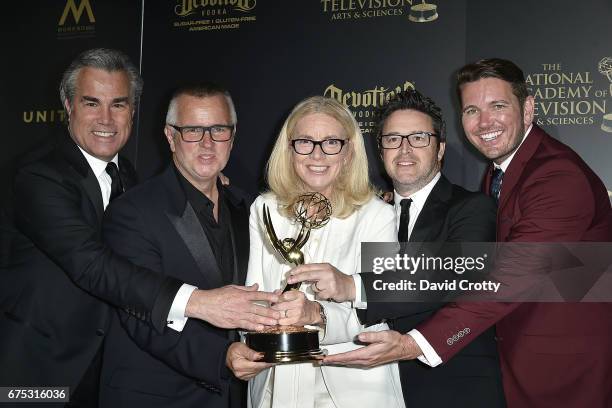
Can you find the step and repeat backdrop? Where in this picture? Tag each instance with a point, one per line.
(273, 53)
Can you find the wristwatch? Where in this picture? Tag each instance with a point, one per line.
(322, 315)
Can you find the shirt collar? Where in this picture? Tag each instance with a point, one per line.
(504, 165)
(98, 166)
(198, 200)
(419, 197)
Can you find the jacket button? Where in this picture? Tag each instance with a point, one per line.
(100, 332)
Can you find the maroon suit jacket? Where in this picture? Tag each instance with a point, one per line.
(551, 354)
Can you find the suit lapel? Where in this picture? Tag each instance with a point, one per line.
(239, 234)
(186, 223)
(188, 227)
(485, 186)
(127, 174)
(88, 180)
(92, 187)
(432, 216)
(517, 164)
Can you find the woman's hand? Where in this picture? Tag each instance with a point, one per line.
(326, 281)
(296, 310)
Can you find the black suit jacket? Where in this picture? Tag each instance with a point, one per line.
(53, 260)
(154, 225)
(472, 379)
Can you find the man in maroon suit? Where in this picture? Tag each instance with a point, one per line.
(552, 354)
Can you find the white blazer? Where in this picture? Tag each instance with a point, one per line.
(338, 243)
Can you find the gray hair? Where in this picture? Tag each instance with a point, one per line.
(105, 59)
(200, 90)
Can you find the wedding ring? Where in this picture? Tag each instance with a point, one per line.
(316, 288)
(285, 313)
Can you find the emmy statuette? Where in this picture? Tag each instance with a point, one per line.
(287, 344)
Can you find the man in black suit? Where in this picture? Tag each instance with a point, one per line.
(411, 135)
(186, 224)
(55, 268)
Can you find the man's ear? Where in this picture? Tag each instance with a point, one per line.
(441, 150)
(169, 132)
(233, 138)
(67, 108)
(528, 111)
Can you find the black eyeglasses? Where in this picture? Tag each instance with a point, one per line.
(416, 139)
(194, 134)
(328, 146)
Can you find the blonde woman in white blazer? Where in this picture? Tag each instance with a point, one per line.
(320, 149)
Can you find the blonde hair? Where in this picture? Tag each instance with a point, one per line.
(351, 189)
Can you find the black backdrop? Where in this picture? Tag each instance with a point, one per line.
(273, 53)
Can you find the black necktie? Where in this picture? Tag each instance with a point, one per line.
(116, 184)
(402, 234)
(496, 182)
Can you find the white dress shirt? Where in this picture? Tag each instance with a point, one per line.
(418, 198)
(99, 170)
(418, 201)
